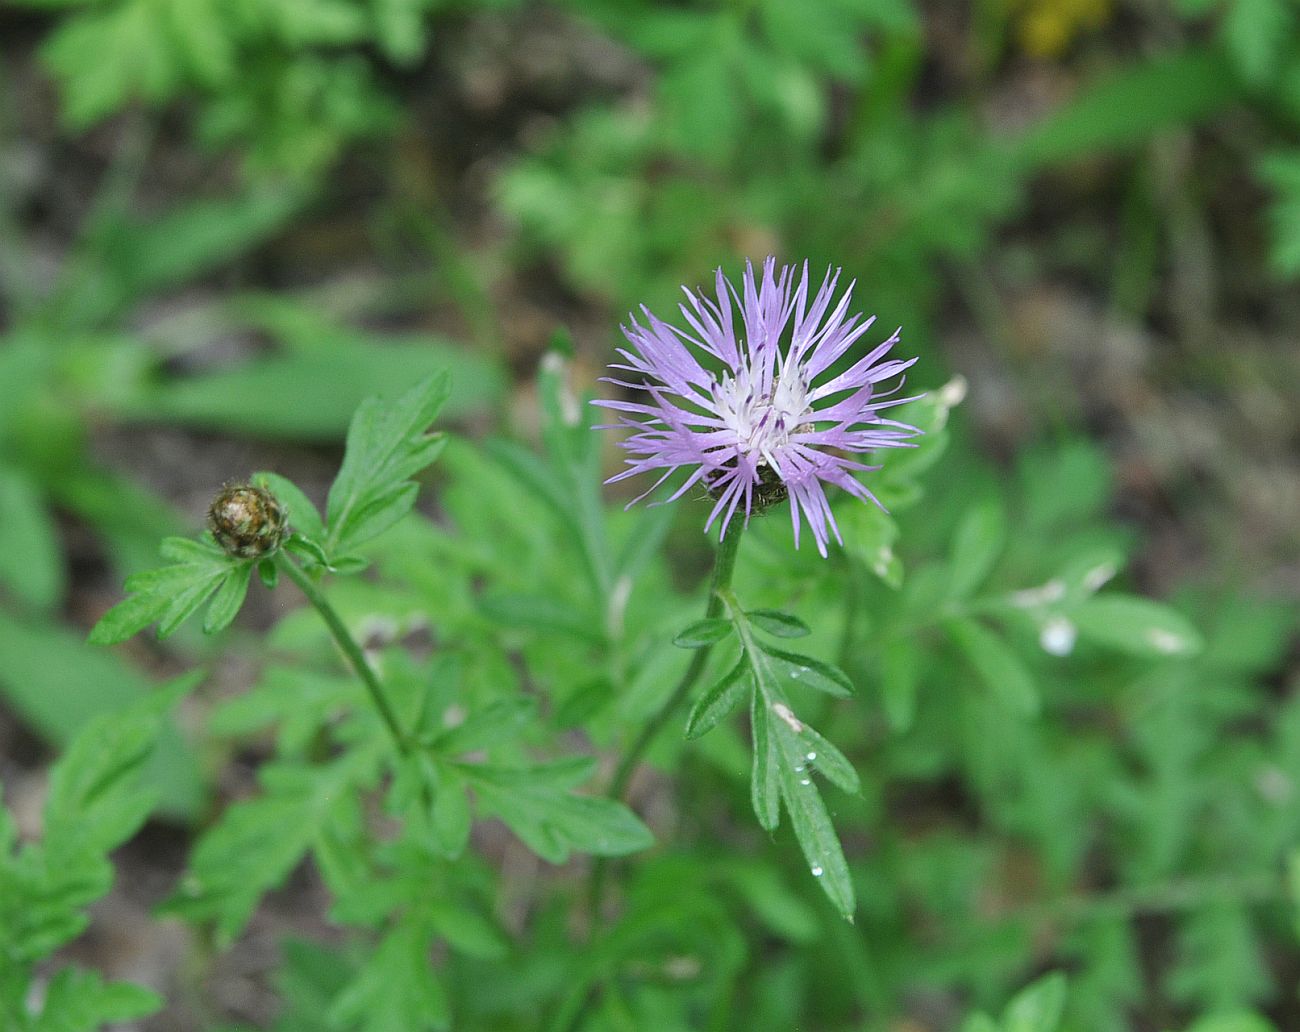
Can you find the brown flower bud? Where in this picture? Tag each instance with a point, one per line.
(248, 522)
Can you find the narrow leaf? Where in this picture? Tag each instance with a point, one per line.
(792, 668)
(764, 787)
(719, 701)
(778, 624)
(703, 633)
(229, 597)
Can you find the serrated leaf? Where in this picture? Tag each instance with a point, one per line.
(719, 701)
(167, 594)
(387, 445)
(997, 666)
(703, 633)
(1136, 625)
(554, 823)
(778, 624)
(257, 842)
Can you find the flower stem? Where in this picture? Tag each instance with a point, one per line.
(350, 648)
(724, 565)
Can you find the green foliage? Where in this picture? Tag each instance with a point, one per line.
(95, 803)
(1033, 766)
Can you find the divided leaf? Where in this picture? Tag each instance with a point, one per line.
(169, 595)
(386, 446)
(537, 804)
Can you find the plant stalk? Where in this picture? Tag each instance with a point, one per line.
(724, 566)
(356, 657)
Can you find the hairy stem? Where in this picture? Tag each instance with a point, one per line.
(349, 646)
(724, 565)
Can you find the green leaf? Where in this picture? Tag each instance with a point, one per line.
(1257, 34)
(1126, 108)
(719, 701)
(975, 547)
(310, 394)
(1039, 1008)
(539, 612)
(500, 721)
(31, 562)
(899, 673)
(1236, 1021)
(302, 516)
(386, 446)
(397, 987)
(80, 1001)
(467, 931)
(1136, 625)
(450, 817)
(553, 822)
(95, 803)
(811, 823)
(257, 842)
(811, 673)
(778, 624)
(228, 599)
(703, 633)
(997, 666)
(171, 594)
(57, 683)
(764, 785)
(820, 755)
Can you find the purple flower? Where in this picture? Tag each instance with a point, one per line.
(757, 419)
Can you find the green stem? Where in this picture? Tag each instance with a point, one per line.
(350, 648)
(724, 565)
(723, 568)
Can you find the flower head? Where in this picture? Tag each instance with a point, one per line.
(758, 420)
(248, 522)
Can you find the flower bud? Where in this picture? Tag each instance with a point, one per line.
(248, 522)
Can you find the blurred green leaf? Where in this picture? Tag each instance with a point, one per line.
(997, 666)
(1136, 625)
(1125, 108)
(31, 563)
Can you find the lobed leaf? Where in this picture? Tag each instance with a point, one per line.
(387, 444)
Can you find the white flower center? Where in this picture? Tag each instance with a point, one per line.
(762, 421)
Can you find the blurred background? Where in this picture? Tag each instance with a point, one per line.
(224, 222)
